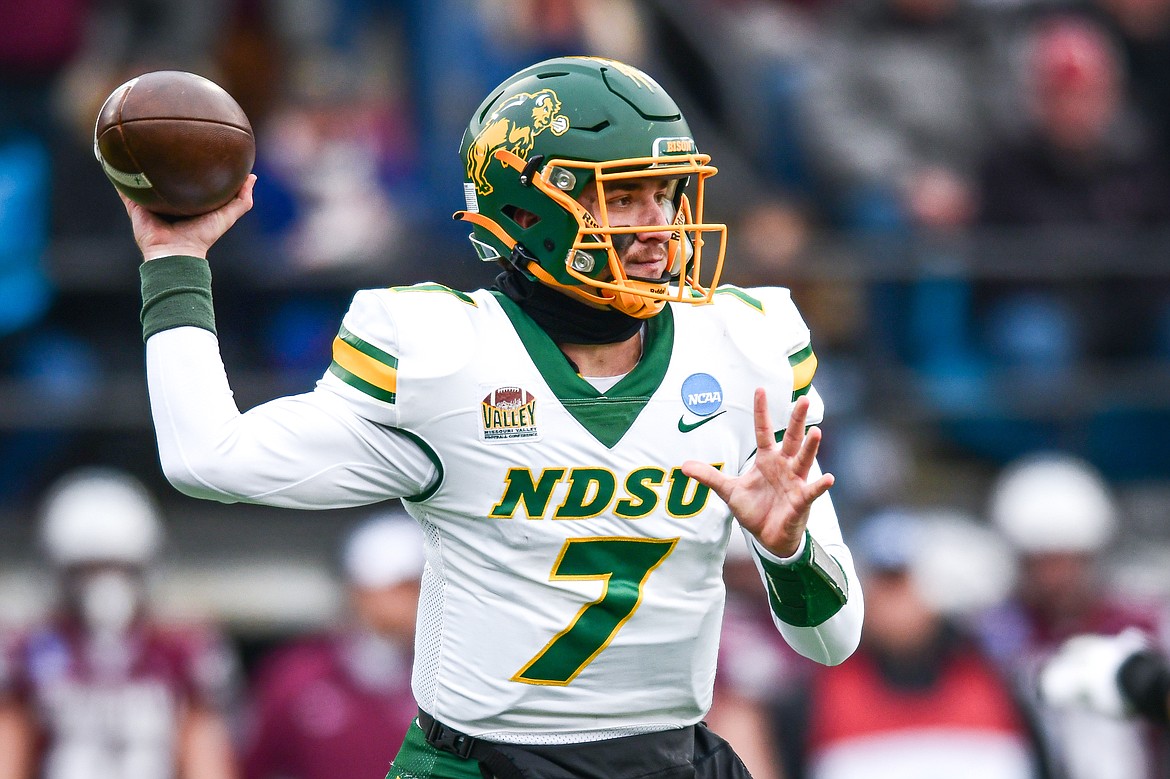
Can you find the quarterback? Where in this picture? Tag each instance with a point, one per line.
(575, 442)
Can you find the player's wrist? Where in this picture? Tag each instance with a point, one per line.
(786, 553)
(173, 250)
(176, 292)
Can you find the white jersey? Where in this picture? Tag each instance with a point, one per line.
(573, 588)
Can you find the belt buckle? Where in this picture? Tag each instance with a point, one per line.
(444, 738)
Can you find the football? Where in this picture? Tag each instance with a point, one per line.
(174, 142)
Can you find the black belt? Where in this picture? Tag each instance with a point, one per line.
(633, 756)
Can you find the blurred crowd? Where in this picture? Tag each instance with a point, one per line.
(969, 198)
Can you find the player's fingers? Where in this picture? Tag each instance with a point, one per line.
(136, 212)
(765, 434)
(247, 188)
(241, 203)
(794, 435)
(807, 453)
(814, 490)
(709, 476)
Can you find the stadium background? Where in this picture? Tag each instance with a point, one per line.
(358, 107)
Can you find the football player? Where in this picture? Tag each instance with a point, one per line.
(1059, 515)
(103, 689)
(574, 442)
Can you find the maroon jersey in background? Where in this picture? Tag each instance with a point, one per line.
(329, 707)
(111, 708)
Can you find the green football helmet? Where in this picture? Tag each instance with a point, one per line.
(565, 124)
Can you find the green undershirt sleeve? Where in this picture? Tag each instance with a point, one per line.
(808, 591)
(176, 292)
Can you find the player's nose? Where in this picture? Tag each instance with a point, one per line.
(656, 217)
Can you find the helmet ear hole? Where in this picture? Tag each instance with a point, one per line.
(523, 218)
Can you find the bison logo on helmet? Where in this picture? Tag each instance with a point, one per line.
(514, 126)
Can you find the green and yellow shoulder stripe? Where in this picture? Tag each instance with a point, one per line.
(364, 366)
(804, 366)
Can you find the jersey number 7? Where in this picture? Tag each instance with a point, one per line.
(623, 565)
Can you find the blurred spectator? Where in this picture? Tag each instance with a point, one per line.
(1084, 166)
(919, 699)
(58, 61)
(34, 51)
(337, 149)
(1143, 29)
(905, 96)
(104, 690)
(338, 705)
(902, 100)
(1088, 160)
(1058, 514)
(334, 149)
(1087, 156)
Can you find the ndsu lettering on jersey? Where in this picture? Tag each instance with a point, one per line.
(591, 492)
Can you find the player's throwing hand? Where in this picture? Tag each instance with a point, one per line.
(772, 499)
(157, 237)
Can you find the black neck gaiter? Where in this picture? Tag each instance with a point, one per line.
(566, 320)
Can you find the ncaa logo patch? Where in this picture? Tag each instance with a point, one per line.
(508, 414)
(701, 394)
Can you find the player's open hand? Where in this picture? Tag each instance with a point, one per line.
(772, 499)
(157, 237)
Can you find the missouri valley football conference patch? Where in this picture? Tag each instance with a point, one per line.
(509, 414)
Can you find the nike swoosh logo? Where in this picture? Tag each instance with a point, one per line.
(683, 427)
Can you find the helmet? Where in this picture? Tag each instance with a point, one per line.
(383, 551)
(1053, 503)
(565, 124)
(100, 515)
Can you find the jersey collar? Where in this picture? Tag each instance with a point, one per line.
(607, 416)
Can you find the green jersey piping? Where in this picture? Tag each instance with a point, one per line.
(607, 416)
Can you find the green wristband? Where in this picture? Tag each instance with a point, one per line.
(808, 591)
(176, 292)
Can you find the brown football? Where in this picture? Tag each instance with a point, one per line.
(175, 142)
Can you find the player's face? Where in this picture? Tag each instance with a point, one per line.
(643, 201)
(388, 611)
(105, 597)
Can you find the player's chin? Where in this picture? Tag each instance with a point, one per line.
(646, 271)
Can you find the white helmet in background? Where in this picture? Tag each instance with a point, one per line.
(100, 515)
(384, 551)
(1053, 503)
